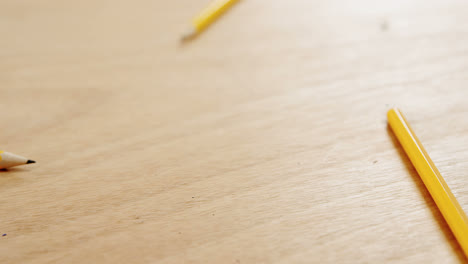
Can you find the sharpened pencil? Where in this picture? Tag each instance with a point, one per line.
(435, 183)
(207, 16)
(8, 160)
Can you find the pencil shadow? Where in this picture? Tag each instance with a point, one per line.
(10, 171)
(428, 199)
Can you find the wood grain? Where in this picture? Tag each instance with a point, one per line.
(262, 141)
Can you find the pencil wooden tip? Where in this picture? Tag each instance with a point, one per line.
(30, 161)
(188, 35)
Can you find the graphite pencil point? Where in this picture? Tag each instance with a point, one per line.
(8, 160)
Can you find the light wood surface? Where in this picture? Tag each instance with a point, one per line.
(264, 140)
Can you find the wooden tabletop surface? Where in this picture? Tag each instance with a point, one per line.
(264, 140)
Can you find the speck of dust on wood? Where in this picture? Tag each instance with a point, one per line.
(384, 26)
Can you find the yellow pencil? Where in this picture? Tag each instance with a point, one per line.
(8, 160)
(207, 16)
(440, 192)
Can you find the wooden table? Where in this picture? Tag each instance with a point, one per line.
(264, 140)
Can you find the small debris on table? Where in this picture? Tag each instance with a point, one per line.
(384, 26)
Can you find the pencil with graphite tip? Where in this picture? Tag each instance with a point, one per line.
(435, 183)
(8, 160)
(207, 16)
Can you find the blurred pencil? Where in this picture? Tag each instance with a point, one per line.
(435, 183)
(207, 16)
(8, 160)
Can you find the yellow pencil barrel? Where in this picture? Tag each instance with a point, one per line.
(211, 13)
(438, 188)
